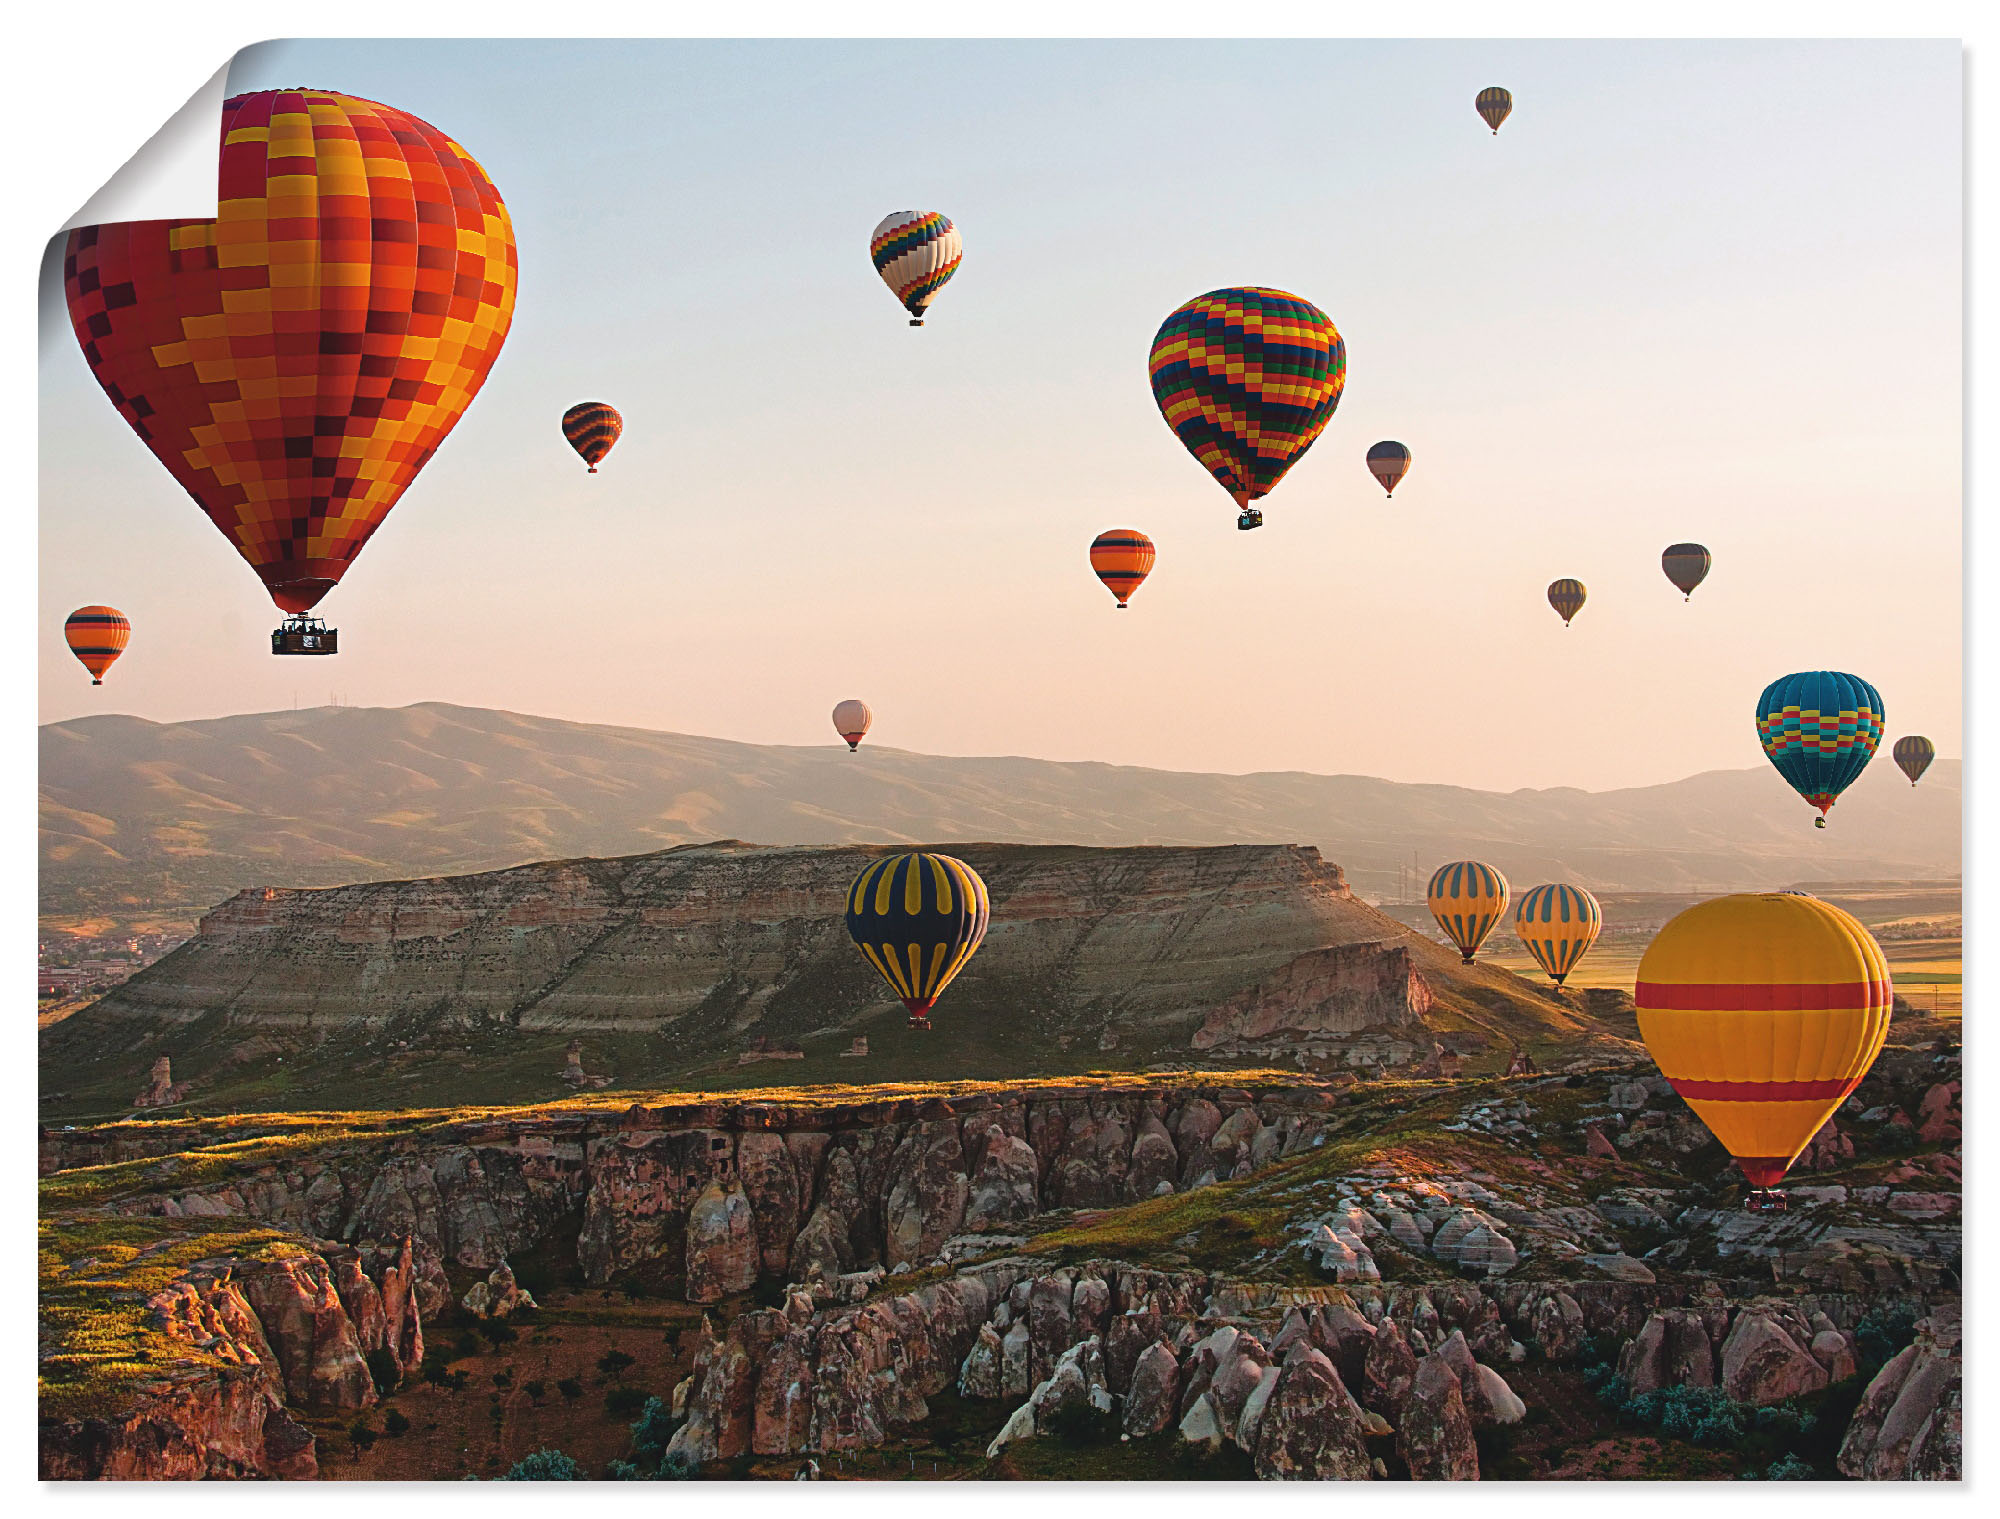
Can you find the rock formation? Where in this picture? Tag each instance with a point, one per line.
(161, 1088)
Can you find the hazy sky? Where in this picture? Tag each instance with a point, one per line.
(1698, 291)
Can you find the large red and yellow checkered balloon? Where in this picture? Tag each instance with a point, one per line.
(297, 360)
(1247, 379)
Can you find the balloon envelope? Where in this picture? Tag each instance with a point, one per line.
(1567, 597)
(1764, 1011)
(1247, 378)
(1557, 924)
(850, 720)
(1122, 557)
(917, 918)
(97, 636)
(1494, 106)
(1913, 755)
(1388, 463)
(1686, 565)
(592, 427)
(1820, 728)
(295, 362)
(915, 252)
(1467, 898)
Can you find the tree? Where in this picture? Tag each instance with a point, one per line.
(614, 1364)
(535, 1390)
(621, 1401)
(436, 1372)
(545, 1466)
(384, 1370)
(570, 1388)
(361, 1435)
(395, 1424)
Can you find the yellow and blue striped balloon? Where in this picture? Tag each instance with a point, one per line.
(1556, 924)
(1467, 898)
(917, 918)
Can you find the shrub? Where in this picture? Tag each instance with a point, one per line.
(679, 1468)
(1790, 1469)
(535, 1390)
(459, 1378)
(497, 1332)
(503, 1378)
(1882, 1332)
(395, 1425)
(570, 1388)
(652, 1429)
(623, 1471)
(622, 1401)
(383, 1370)
(545, 1466)
(361, 1435)
(436, 1372)
(614, 1364)
(1076, 1422)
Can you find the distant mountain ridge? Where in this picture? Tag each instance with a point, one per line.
(177, 816)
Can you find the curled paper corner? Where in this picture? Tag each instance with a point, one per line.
(172, 177)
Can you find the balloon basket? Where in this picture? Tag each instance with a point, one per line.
(922, 1024)
(305, 635)
(1764, 1201)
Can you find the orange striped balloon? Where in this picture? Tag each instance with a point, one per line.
(1122, 557)
(97, 636)
(592, 427)
(1764, 1011)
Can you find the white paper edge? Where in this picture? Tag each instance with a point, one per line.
(173, 176)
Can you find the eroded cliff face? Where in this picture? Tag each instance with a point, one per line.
(717, 1195)
(237, 1346)
(750, 937)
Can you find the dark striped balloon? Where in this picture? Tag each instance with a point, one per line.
(1819, 729)
(1467, 898)
(1686, 565)
(1913, 755)
(1567, 597)
(918, 918)
(1494, 106)
(1122, 557)
(1247, 378)
(97, 636)
(1556, 924)
(592, 427)
(1388, 462)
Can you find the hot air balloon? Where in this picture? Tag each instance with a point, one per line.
(1122, 557)
(1494, 106)
(1557, 924)
(850, 720)
(1388, 463)
(918, 918)
(1913, 752)
(1686, 565)
(1820, 728)
(1247, 378)
(1567, 597)
(295, 362)
(1467, 898)
(915, 252)
(592, 427)
(1764, 1011)
(97, 636)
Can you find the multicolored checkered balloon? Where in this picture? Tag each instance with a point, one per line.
(296, 361)
(1247, 379)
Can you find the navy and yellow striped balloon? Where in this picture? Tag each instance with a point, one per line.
(918, 918)
(1557, 924)
(1467, 898)
(1567, 597)
(1494, 106)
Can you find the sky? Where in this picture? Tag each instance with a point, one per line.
(1705, 291)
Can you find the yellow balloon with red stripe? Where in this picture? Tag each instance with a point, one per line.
(1764, 1011)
